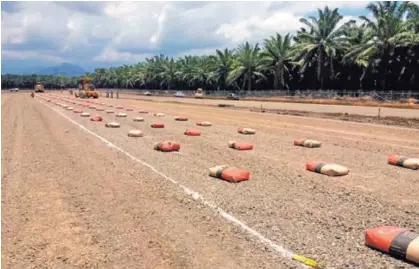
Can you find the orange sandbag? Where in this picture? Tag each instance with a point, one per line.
(398, 242)
(192, 132)
(247, 131)
(403, 161)
(181, 118)
(230, 174)
(329, 169)
(77, 111)
(204, 123)
(167, 146)
(157, 125)
(96, 118)
(240, 145)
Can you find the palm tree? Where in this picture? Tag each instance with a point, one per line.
(324, 38)
(222, 62)
(277, 55)
(388, 30)
(186, 69)
(357, 39)
(168, 73)
(200, 75)
(247, 65)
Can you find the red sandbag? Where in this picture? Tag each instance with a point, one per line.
(192, 132)
(157, 125)
(230, 174)
(240, 145)
(167, 146)
(404, 161)
(96, 118)
(85, 105)
(398, 242)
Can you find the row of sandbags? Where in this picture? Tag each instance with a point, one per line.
(321, 167)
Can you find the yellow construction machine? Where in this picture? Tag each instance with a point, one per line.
(39, 87)
(199, 93)
(86, 89)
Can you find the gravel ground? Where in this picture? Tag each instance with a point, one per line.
(311, 214)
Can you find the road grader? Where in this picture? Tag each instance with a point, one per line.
(86, 89)
(39, 87)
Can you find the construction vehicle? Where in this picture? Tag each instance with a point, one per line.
(86, 89)
(199, 93)
(39, 87)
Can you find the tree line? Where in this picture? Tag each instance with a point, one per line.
(380, 53)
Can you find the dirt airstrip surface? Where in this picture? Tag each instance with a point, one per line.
(71, 201)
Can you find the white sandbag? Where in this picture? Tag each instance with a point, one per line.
(113, 124)
(135, 133)
(139, 119)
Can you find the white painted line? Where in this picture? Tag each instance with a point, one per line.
(195, 195)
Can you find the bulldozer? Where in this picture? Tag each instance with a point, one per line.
(39, 87)
(86, 89)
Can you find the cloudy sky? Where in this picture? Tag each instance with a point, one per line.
(102, 34)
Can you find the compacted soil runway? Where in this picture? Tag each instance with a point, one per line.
(70, 199)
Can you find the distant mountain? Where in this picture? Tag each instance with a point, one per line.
(65, 69)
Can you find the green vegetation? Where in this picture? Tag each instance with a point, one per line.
(380, 53)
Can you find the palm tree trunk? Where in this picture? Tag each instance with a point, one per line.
(361, 79)
(281, 75)
(320, 66)
(277, 77)
(249, 84)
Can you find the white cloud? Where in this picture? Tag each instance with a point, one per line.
(258, 27)
(130, 31)
(109, 54)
